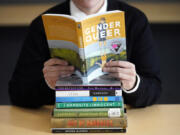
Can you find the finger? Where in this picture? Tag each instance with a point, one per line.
(67, 75)
(127, 84)
(122, 76)
(55, 61)
(57, 68)
(56, 74)
(123, 64)
(51, 83)
(50, 78)
(128, 71)
(57, 77)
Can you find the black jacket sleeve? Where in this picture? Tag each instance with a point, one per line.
(143, 54)
(27, 86)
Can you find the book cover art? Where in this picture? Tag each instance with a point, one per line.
(87, 44)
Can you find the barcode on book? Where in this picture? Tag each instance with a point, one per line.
(118, 92)
(114, 112)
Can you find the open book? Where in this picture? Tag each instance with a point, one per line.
(86, 44)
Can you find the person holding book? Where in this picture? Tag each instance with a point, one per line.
(35, 71)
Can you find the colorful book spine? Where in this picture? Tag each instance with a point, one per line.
(89, 122)
(69, 88)
(86, 93)
(88, 113)
(88, 99)
(90, 105)
(88, 130)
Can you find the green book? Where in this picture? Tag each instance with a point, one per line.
(88, 113)
(90, 105)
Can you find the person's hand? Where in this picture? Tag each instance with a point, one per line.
(123, 70)
(55, 68)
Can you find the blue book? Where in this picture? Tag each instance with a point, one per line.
(88, 99)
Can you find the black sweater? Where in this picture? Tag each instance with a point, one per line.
(28, 88)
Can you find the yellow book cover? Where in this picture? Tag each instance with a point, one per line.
(88, 43)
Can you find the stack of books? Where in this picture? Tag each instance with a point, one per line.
(89, 109)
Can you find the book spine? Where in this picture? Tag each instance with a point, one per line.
(88, 130)
(69, 88)
(72, 93)
(88, 113)
(88, 93)
(90, 105)
(88, 99)
(89, 122)
(106, 93)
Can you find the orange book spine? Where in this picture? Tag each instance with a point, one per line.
(89, 122)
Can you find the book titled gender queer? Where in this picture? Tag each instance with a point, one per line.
(87, 44)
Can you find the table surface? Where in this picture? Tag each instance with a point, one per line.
(154, 120)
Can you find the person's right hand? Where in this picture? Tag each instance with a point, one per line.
(55, 68)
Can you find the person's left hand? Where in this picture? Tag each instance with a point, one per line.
(123, 70)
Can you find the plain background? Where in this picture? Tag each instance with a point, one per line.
(43, 1)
